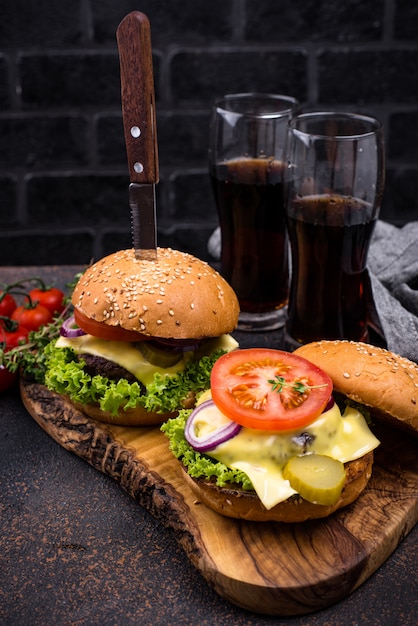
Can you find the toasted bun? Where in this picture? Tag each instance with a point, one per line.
(377, 378)
(247, 505)
(176, 297)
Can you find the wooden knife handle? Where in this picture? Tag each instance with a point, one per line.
(138, 101)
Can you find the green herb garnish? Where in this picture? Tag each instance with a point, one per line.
(279, 383)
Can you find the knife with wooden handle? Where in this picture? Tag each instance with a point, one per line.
(139, 121)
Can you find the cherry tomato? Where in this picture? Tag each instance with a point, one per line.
(269, 389)
(14, 337)
(104, 331)
(6, 378)
(51, 298)
(32, 316)
(7, 304)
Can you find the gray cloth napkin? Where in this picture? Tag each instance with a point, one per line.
(393, 270)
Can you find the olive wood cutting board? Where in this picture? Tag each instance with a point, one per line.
(269, 568)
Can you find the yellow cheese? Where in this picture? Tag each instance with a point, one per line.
(126, 355)
(268, 482)
(356, 439)
(263, 454)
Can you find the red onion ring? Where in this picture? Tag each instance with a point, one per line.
(70, 329)
(176, 345)
(329, 404)
(215, 438)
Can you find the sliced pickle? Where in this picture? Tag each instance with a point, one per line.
(317, 478)
(158, 356)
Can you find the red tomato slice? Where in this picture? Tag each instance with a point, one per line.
(104, 331)
(269, 389)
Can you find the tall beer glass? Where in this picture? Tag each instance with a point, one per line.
(247, 139)
(334, 192)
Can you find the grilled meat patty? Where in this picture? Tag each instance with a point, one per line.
(103, 367)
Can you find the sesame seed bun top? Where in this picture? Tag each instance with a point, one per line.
(176, 297)
(375, 377)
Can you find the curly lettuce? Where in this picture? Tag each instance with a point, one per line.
(65, 375)
(199, 465)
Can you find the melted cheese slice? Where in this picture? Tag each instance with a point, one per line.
(126, 355)
(263, 454)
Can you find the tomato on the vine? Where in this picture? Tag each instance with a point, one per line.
(269, 389)
(12, 335)
(32, 315)
(7, 304)
(49, 297)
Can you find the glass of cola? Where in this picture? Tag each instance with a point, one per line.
(334, 189)
(247, 139)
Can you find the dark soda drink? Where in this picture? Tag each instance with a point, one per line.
(329, 237)
(254, 258)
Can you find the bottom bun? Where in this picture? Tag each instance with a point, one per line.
(131, 417)
(240, 504)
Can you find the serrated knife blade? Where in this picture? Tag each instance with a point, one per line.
(139, 122)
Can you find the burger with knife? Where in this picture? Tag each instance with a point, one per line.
(148, 324)
(143, 338)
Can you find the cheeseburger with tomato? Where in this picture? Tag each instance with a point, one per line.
(144, 336)
(282, 437)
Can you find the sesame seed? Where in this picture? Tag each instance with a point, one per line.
(346, 375)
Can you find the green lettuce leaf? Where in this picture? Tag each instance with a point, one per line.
(200, 465)
(65, 375)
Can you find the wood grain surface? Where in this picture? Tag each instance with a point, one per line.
(269, 568)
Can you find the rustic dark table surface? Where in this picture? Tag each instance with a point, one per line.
(76, 549)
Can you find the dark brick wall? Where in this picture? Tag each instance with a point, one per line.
(63, 172)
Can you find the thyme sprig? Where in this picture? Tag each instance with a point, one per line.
(279, 383)
(30, 357)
